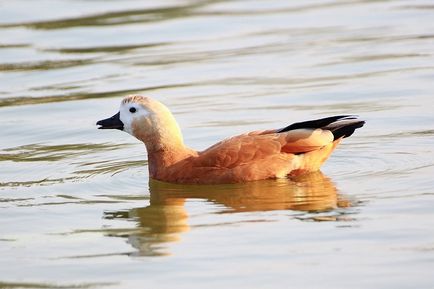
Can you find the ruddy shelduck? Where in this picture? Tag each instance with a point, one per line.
(267, 154)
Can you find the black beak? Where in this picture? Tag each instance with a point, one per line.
(111, 123)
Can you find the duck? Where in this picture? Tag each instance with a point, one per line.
(293, 150)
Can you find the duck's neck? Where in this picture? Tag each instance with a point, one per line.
(163, 155)
(165, 147)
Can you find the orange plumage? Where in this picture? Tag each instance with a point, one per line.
(296, 149)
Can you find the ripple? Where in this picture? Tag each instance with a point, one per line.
(40, 182)
(120, 17)
(389, 160)
(9, 200)
(14, 101)
(109, 48)
(418, 7)
(109, 167)
(404, 134)
(337, 79)
(385, 38)
(12, 285)
(7, 240)
(17, 45)
(62, 200)
(43, 65)
(375, 57)
(104, 255)
(53, 153)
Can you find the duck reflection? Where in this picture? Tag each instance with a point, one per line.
(166, 217)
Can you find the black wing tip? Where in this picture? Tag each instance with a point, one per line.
(347, 130)
(317, 123)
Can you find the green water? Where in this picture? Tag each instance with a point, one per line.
(77, 209)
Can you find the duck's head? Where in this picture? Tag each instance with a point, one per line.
(143, 118)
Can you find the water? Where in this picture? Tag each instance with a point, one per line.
(77, 208)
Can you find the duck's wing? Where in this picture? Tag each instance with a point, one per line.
(297, 138)
(340, 125)
(305, 140)
(311, 135)
(239, 150)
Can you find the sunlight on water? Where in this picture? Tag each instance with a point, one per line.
(78, 209)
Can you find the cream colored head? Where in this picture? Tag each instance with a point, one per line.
(146, 119)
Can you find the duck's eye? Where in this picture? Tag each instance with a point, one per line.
(133, 109)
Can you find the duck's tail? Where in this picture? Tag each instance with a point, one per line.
(340, 125)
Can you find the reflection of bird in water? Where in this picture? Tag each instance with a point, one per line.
(166, 217)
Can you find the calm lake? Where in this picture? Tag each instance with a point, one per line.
(77, 209)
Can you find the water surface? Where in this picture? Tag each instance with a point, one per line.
(77, 209)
